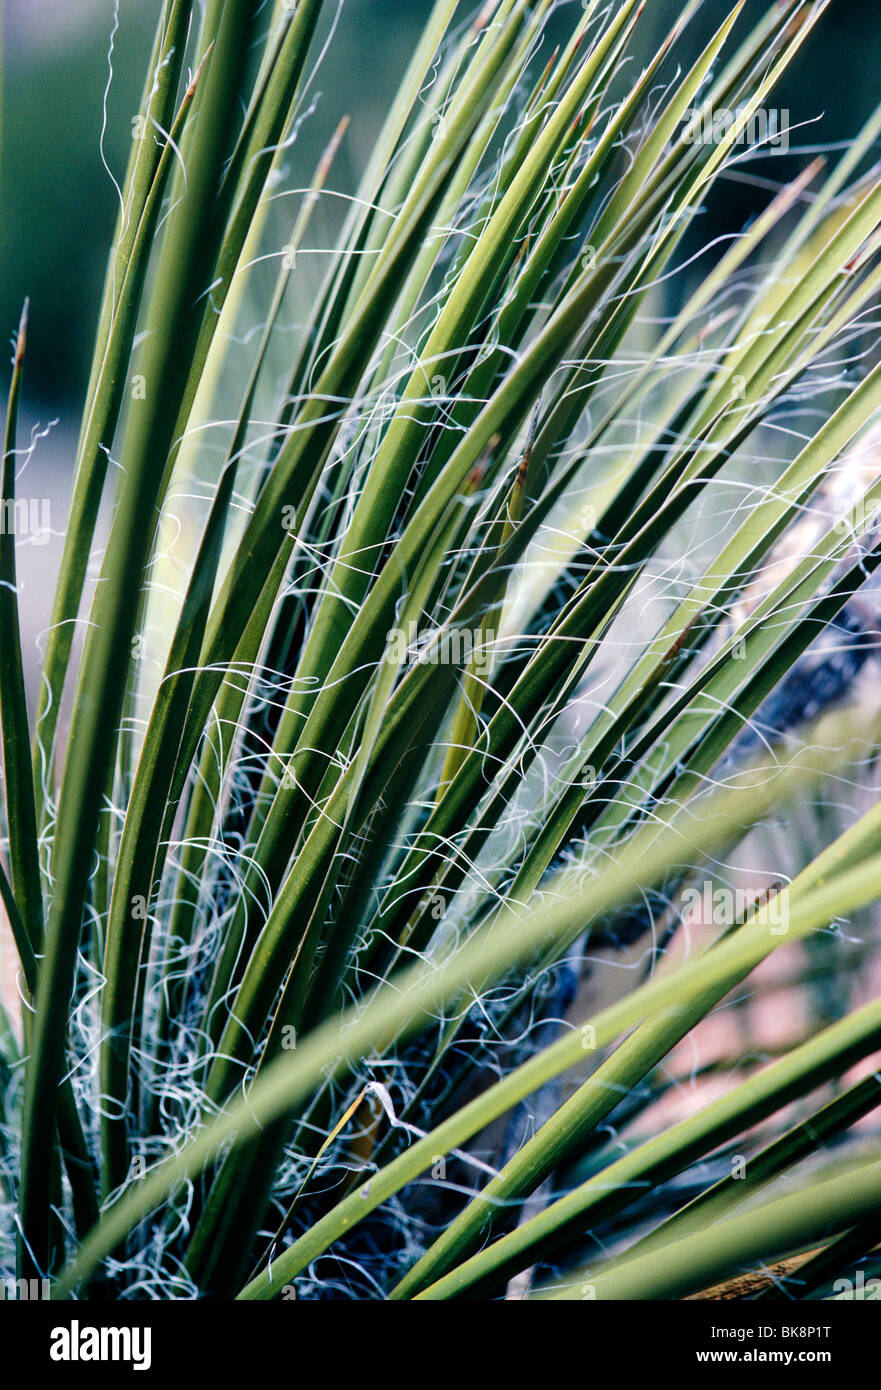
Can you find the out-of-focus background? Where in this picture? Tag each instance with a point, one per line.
(59, 202)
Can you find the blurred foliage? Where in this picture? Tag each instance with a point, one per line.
(59, 204)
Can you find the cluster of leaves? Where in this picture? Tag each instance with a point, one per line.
(296, 919)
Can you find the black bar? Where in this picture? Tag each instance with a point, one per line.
(191, 1340)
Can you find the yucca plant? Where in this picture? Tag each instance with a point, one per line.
(456, 621)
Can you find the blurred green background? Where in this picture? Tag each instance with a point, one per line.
(59, 203)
